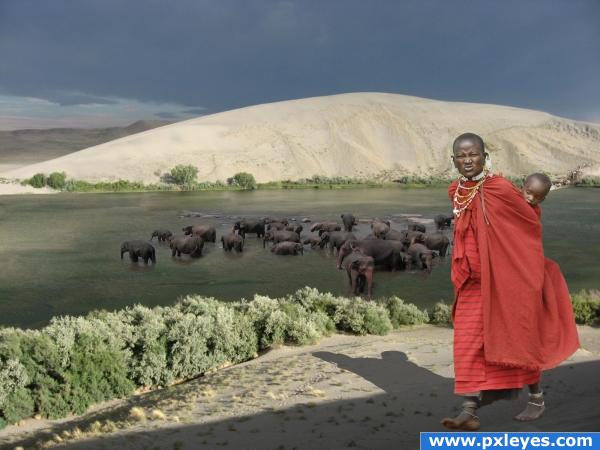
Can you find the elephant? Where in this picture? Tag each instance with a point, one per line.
(313, 241)
(273, 219)
(232, 241)
(437, 241)
(322, 227)
(417, 227)
(411, 237)
(277, 226)
(370, 236)
(380, 227)
(208, 233)
(335, 239)
(287, 248)
(360, 270)
(384, 253)
(139, 249)
(394, 235)
(443, 221)
(162, 235)
(349, 221)
(280, 236)
(250, 226)
(295, 228)
(189, 244)
(421, 256)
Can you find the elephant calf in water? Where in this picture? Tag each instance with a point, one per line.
(190, 245)
(287, 248)
(335, 239)
(421, 256)
(360, 268)
(162, 235)
(139, 249)
(233, 241)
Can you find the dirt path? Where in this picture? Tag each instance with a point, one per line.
(346, 392)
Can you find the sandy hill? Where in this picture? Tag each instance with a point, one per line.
(24, 147)
(358, 134)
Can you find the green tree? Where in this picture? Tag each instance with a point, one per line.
(244, 180)
(184, 175)
(57, 180)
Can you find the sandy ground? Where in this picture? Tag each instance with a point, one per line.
(373, 392)
(364, 134)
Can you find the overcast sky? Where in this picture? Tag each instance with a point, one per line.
(96, 63)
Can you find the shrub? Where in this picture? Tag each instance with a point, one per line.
(586, 307)
(38, 180)
(184, 175)
(360, 317)
(404, 313)
(243, 180)
(57, 180)
(441, 314)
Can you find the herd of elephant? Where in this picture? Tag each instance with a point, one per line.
(384, 247)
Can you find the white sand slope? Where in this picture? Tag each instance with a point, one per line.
(357, 134)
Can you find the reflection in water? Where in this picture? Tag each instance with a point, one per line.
(47, 262)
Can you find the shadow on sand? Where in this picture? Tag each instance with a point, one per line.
(413, 399)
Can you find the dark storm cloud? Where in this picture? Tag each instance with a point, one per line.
(166, 115)
(542, 54)
(194, 111)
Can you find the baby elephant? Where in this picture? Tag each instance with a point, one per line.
(360, 270)
(313, 241)
(139, 249)
(190, 245)
(287, 248)
(232, 241)
(162, 235)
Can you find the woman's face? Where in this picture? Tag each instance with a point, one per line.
(468, 158)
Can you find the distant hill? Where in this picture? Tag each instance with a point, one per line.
(358, 134)
(25, 147)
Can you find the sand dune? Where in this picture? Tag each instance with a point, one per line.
(358, 134)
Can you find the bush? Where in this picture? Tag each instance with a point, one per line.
(360, 317)
(586, 307)
(184, 175)
(38, 180)
(404, 313)
(441, 314)
(57, 180)
(243, 180)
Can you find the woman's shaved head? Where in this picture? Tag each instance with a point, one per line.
(472, 137)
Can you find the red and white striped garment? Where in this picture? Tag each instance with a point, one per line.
(472, 374)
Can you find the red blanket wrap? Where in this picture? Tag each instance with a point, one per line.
(526, 313)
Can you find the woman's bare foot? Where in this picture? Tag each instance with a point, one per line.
(534, 409)
(466, 420)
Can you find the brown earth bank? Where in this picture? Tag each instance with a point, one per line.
(372, 392)
(20, 148)
(368, 135)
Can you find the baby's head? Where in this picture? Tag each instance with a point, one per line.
(536, 187)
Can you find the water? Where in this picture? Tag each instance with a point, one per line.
(60, 253)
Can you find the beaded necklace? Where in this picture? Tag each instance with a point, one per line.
(461, 201)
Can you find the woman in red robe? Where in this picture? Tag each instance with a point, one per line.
(512, 312)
